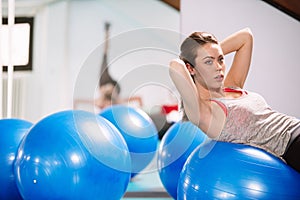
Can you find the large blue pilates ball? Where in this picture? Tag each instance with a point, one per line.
(73, 155)
(12, 132)
(176, 145)
(139, 132)
(221, 170)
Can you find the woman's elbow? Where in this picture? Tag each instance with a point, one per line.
(248, 33)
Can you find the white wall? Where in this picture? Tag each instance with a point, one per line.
(275, 67)
(48, 88)
(68, 38)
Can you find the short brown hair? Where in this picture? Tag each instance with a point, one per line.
(190, 45)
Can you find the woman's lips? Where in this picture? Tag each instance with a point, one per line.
(219, 77)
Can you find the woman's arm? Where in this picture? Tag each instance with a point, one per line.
(134, 100)
(187, 89)
(241, 43)
(208, 117)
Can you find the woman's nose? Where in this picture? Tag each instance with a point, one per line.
(219, 67)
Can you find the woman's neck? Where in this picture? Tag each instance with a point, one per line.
(207, 94)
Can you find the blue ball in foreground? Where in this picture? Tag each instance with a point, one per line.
(139, 132)
(221, 170)
(73, 155)
(12, 132)
(177, 144)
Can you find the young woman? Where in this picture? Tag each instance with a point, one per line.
(220, 106)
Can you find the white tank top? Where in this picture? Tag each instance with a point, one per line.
(250, 120)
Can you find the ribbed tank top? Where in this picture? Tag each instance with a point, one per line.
(250, 120)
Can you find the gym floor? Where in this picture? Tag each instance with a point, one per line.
(147, 185)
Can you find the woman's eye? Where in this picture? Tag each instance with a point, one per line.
(209, 62)
(221, 60)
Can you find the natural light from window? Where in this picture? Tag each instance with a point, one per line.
(20, 44)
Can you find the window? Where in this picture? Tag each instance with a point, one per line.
(22, 43)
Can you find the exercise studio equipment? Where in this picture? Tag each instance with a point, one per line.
(139, 132)
(73, 155)
(220, 170)
(12, 131)
(177, 144)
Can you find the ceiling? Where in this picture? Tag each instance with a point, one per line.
(26, 7)
(29, 3)
(290, 7)
(173, 3)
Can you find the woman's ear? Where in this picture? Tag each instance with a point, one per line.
(190, 68)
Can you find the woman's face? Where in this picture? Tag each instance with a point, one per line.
(108, 96)
(209, 66)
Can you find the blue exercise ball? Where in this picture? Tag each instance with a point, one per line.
(73, 155)
(139, 132)
(12, 132)
(176, 145)
(220, 170)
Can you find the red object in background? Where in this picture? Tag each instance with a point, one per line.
(166, 109)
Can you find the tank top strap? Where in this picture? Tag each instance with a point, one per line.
(232, 89)
(228, 89)
(224, 108)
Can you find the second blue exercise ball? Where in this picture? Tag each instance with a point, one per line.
(73, 155)
(139, 132)
(177, 144)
